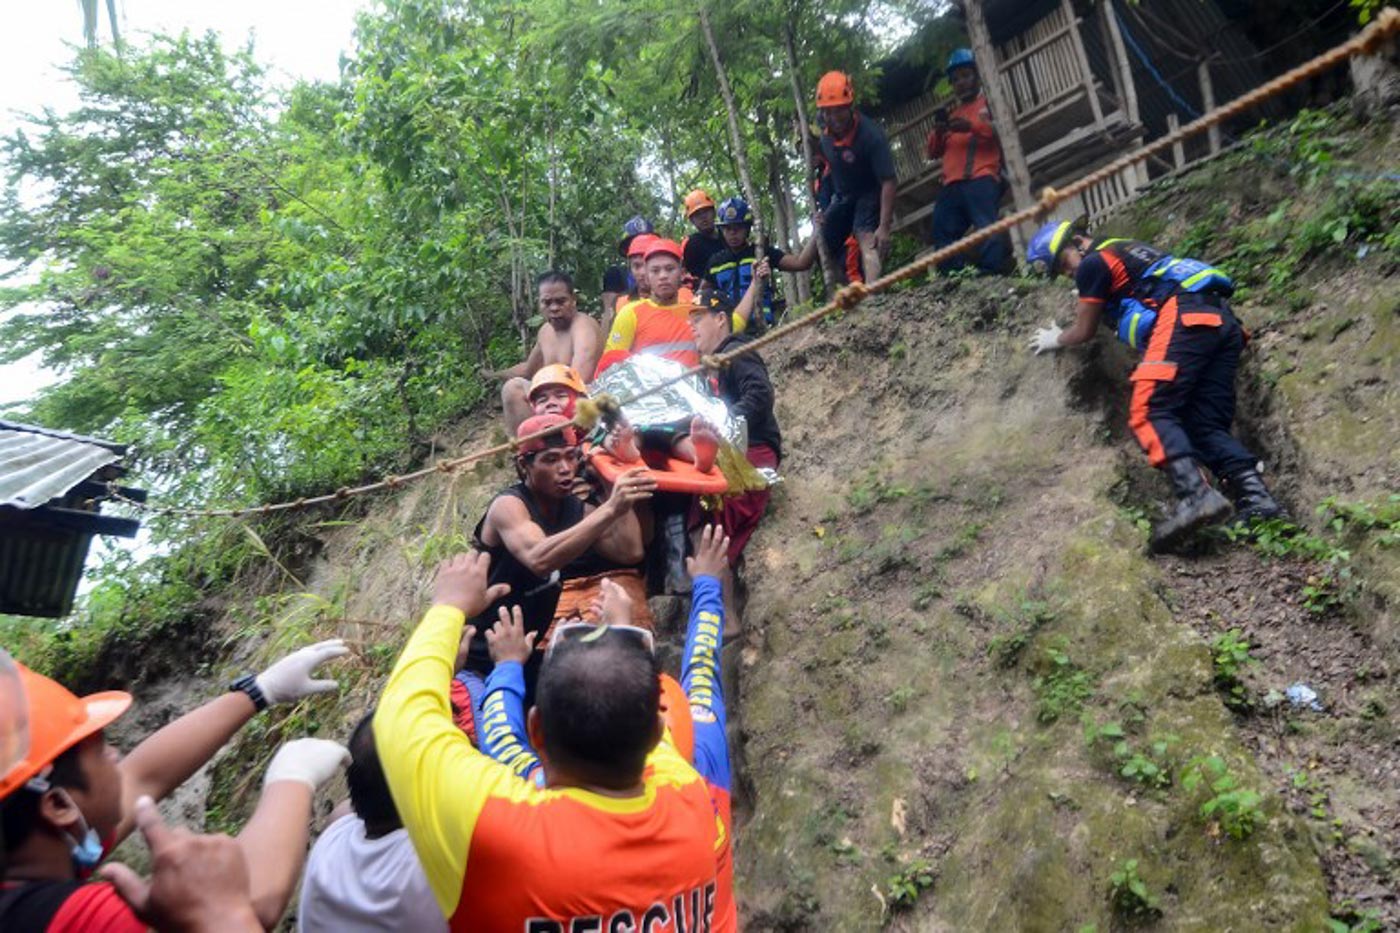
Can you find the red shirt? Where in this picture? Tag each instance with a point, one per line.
(968, 155)
(88, 908)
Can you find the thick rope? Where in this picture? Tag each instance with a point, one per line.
(1385, 25)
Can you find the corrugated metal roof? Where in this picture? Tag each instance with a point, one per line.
(37, 465)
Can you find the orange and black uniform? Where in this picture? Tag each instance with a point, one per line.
(1183, 400)
(501, 854)
(971, 192)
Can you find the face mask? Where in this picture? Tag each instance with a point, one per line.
(87, 851)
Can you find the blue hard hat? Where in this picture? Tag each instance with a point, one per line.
(634, 227)
(734, 212)
(1045, 246)
(961, 58)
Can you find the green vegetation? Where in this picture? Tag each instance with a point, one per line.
(906, 885)
(1129, 896)
(1233, 808)
(1063, 689)
(1029, 619)
(1148, 765)
(1229, 657)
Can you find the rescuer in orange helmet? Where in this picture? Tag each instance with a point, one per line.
(699, 247)
(69, 797)
(862, 174)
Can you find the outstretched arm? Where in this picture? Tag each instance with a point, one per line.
(168, 758)
(700, 664)
(543, 554)
(503, 733)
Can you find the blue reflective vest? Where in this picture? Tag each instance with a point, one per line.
(1165, 276)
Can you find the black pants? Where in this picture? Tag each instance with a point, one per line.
(1184, 389)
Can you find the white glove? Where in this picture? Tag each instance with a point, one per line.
(1047, 338)
(311, 761)
(290, 678)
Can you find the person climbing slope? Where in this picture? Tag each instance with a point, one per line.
(697, 248)
(1177, 312)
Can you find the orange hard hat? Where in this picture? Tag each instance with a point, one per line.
(557, 374)
(835, 90)
(58, 720)
(675, 709)
(669, 247)
(697, 200)
(640, 244)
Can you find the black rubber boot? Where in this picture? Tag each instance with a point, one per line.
(1197, 504)
(1252, 498)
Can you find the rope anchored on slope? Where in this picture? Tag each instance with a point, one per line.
(1384, 26)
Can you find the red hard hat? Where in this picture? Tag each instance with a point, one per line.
(566, 437)
(669, 247)
(835, 90)
(640, 244)
(58, 720)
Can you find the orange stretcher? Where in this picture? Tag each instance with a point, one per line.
(672, 475)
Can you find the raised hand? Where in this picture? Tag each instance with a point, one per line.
(507, 640)
(290, 678)
(310, 761)
(461, 583)
(711, 555)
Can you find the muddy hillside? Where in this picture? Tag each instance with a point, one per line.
(966, 698)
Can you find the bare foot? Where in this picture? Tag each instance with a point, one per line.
(623, 445)
(706, 443)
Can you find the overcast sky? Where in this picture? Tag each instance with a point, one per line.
(295, 38)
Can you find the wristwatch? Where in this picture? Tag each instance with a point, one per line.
(249, 684)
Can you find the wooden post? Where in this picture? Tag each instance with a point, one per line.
(1208, 102)
(1003, 113)
(1124, 69)
(1077, 41)
(1178, 150)
(804, 132)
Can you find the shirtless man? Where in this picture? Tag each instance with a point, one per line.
(566, 337)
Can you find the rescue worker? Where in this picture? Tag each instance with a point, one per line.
(655, 324)
(626, 835)
(72, 798)
(566, 338)
(619, 280)
(539, 534)
(504, 710)
(821, 189)
(966, 141)
(747, 390)
(862, 174)
(1176, 311)
(697, 248)
(556, 391)
(735, 272)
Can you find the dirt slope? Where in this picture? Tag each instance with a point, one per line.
(950, 605)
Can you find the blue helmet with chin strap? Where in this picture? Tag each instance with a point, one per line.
(961, 58)
(1044, 248)
(734, 212)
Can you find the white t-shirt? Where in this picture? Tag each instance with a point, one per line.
(354, 883)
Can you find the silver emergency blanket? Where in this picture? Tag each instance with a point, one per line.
(679, 400)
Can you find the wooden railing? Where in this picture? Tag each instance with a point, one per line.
(1042, 66)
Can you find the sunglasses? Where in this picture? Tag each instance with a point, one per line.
(588, 632)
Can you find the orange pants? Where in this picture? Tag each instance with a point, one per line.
(577, 597)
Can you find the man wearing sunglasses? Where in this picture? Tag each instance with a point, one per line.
(505, 731)
(538, 535)
(624, 837)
